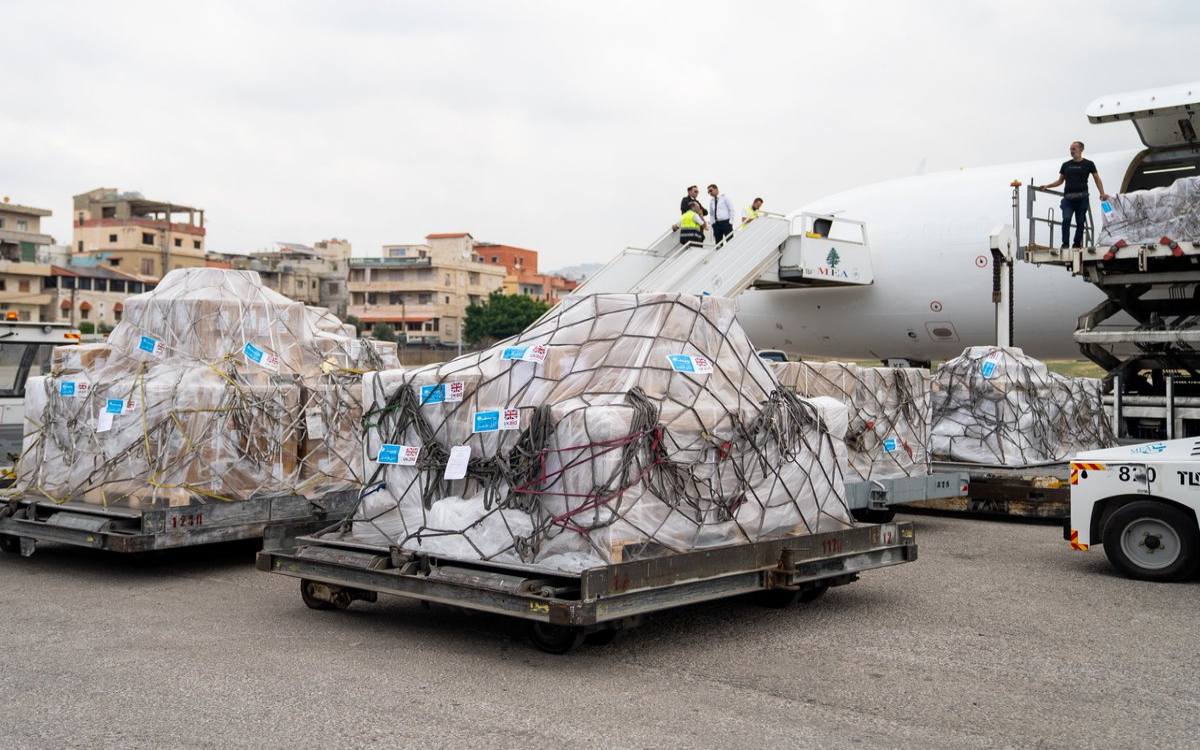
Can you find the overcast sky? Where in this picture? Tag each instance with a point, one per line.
(567, 128)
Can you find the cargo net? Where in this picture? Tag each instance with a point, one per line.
(212, 388)
(887, 422)
(1150, 216)
(997, 406)
(619, 427)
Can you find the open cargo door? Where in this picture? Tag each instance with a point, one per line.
(1165, 117)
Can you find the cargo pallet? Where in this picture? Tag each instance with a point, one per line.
(564, 610)
(25, 521)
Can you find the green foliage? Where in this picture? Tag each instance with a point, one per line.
(500, 316)
(87, 327)
(384, 332)
(358, 324)
(104, 328)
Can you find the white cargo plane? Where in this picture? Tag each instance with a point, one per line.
(913, 277)
(928, 240)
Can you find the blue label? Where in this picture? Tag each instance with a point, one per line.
(988, 369)
(389, 454)
(115, 406)
(487, 421)
(514, 352)
(1106, 206)
(66, 389)
(681, 363)
(147, 344)
(433, 394)
(889, 445)
(253, 352)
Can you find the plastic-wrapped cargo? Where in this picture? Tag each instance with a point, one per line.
(1147, 216)
(212, 385)
(889, 409)
(998, 407)
(619, 427)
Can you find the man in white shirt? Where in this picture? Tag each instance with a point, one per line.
(721, 213)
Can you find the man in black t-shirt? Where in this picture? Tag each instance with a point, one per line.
(1075, 194)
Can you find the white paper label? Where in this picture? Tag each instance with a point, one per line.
(355, 348)
(314, 423)
(456, 465)
(104, 422)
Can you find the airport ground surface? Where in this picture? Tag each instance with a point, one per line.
(999, 636)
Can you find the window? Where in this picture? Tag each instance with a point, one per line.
(101, 285)
(425, 299)
(81, 246)
(394, 299)
(85, 283)
(136, 287)
(1, 222)
(2, 289)
(333, 288)
(112, 238)
(23, 285)
(147, 238)
(22, 225)
(116, 286)
(84, 313)
(495, 259)
(148, 266)
(447, 279)
(117, 314)
(372, 298)
(114, 262)
(473, 278)
(23, 315)
(447, 299)
(178, 242)
(196, 244)
(81, 217)
(435, 324)
(68, 282)
(106, 212)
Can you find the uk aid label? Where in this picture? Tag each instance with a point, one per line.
(152, 346)
(988, 368)
(74, 389)
(889, 445)
(398, 455)
(259, 357)
(525, 353)
(442, 392)
(689, 363)
(497, 419)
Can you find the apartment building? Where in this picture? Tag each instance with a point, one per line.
(130, 233)
(314, 275)
(423, 290)
(22, 277)
(96, 294)
(522, 277)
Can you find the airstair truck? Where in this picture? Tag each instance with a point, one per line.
(1141, 503)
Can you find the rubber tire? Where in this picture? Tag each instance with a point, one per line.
(868, 515)
(1180, 523)
(811, 595)
(777, 598)
(311, 601)
(605, 637)
(556, 639)
(10, 544)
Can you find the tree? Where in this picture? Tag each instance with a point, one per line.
(833, 258)
(87, 327)
(104, 328)
(383, 332)
(500, 316)
(358, 324)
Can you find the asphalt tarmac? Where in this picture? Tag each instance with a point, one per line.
(998, 636)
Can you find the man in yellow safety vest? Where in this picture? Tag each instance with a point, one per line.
(752, 212)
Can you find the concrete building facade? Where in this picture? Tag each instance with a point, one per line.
(522, 277)
(130, 233)
(22, 276)
(313, 275)
(423, 290)
(82, 294)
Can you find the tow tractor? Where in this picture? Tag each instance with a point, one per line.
(1141, 502)
(26, 349)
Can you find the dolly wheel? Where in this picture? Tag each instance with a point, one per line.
(308, 594)
(556, 639)
(813, 594)
(605, 637)
(868, 515)
(777, 598)
(10, 544)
